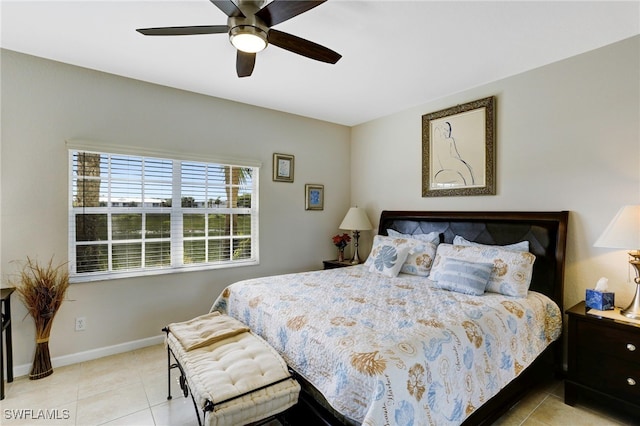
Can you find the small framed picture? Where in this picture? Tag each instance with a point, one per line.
(314, 197)
(283, 167)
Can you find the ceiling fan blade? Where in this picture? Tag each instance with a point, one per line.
(171, 31)
(229, 8)
(245, 63)
(281, 10)
(303, 47)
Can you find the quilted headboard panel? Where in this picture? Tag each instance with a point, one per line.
(545, 231)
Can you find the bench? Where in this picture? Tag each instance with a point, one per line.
(234, 379)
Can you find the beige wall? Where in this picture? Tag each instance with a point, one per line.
(45, 103)
(568, 138)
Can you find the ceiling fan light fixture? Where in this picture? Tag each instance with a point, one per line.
(248, 38)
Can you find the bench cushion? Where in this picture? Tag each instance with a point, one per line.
(206, 329)
(231, 367)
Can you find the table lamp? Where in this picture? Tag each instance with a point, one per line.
(624, 233)
(356, 220)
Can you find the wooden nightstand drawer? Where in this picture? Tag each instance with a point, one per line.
(607, 340)
(610, 375)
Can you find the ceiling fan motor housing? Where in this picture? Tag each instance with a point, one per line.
(248, 33)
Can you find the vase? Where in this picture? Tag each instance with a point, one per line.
(340, 255)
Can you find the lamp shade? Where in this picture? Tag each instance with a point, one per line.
(624, 230)
(356, 220)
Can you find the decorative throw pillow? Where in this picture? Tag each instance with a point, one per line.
(388, 255)
(521, 246)
(421, 253)
(431, 237)
(377, 241)
(512, 270)
(420, 258)
(463, 277)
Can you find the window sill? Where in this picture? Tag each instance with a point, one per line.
(94, 277)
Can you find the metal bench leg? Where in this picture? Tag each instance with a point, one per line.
(166, 330)
(184, 385)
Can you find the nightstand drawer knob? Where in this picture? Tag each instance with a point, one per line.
(631, 347)
(631, 382)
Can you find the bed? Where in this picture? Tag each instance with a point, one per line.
(372, 347)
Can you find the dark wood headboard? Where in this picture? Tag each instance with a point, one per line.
(545, 231)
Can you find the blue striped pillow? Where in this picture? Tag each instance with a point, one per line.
(463, 277)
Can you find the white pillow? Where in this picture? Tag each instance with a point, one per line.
(512, 270)
(431, 237)
(463, 277)
(388, 255)
(521, 246)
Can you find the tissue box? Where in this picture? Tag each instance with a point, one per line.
(600, 300)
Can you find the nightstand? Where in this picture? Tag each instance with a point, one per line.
(603, 359)
(332, 264)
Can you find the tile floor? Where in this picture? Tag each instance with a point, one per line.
(131, 389)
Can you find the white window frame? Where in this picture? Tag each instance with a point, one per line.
(176, 212)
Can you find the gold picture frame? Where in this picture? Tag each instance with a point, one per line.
(314, 197)
(458, 150)
(283, 167)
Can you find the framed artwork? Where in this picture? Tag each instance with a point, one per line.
(283, 165)
(314, 197)
(458, 150)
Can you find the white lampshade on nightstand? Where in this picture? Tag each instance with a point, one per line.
(624, 233)
(356, 220)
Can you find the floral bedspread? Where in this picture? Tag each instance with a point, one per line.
(394, 351)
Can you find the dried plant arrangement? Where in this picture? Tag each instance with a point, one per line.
(42, 289)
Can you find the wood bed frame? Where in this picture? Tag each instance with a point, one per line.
(547, 235)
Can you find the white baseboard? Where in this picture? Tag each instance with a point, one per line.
(23, 370)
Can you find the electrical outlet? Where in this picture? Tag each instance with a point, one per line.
(81, 323)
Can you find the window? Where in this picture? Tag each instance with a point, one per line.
(135, 215)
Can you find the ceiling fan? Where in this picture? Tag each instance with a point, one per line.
(249, 28)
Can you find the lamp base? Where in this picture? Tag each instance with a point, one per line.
(356, 257)
(633, 310)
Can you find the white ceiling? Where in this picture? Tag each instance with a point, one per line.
(396, 54)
